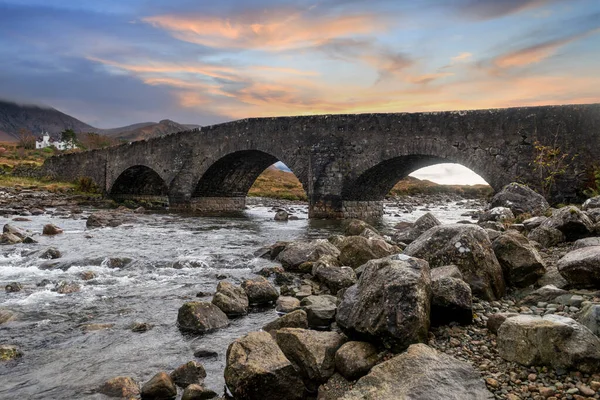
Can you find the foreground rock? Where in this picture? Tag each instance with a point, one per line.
(390, 304)
(334, 277)
(573, 223)
(451, 301)
(469, 248)
(421, 225)
(311, 352)
(581, 268)
(520, 199)
(296, 253)
(320, 310)
(497, 214)
(260, 291)
(197, 392)
(120, 386)
(356, 227)
(355, 359)
(357, 250)
(295, 319)
(591, 203)
(257, 369)
(590, 318)
(160, 387)
(200, 317)
(546, 236)
(420, 373)
(231, 299)
(520, 261)
(188, 374)
(553, 340)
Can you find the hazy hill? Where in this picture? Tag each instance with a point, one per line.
(14, 117)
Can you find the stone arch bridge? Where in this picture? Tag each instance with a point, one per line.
(346, 163)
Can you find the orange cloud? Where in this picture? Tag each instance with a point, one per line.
(536, 53)
(462, 57)
(426, 78)
(270, 32)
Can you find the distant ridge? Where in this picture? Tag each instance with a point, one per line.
(14, 117)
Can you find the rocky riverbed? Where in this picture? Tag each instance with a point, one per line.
(503, 304)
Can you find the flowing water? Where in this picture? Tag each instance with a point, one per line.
(168, 259)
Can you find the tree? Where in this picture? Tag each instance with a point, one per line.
(549, 163)
(26, 139)
(70, 137)
(93, 140)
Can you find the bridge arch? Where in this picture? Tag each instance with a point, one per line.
(226, 182)
(139, 182)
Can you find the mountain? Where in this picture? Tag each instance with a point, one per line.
(14, 117)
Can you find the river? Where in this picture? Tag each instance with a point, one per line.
(173, 257)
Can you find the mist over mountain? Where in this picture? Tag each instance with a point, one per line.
(35, 118)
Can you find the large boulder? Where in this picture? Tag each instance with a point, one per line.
(296, 253)
(571, 221)
(591, 203)
(534, 222)
(260, 291)
(553, 340)
(520, 199)
(311, 352)
(231, 299)
(469, 248)
(451, 301)
(200, 317)
(256, 368)
(520, 261)
(160, 387)
(355, 359)
(586, 242)
(581, 267)
(590, 318)
(420, 373)
(390, 304)
(357, 250)
(320, 310)
(356, 227)
(333, 276)
(421, 225)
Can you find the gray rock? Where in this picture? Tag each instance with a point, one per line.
(586, 242)
(189, 373)
(287, 304)
(231, 299)
(496, 214)
(520, 261)
(594, 215)
(9, 238)
(446, 271)
(390, 303)
(200, 317)
(6, 316)
(591, 203)
(160, 387)
(420, 373)
(101, 219)
(553, 340)
(281, 215)
(492, 234)
(15, 230)
(334, 277)
(13, 287)
(257, 369)
(320, 310)
(357, 250)
(590, 318)
(64, 287)
(534, 222)
(451, 301)
(295, 319)
(492, 225)
(520, 199)
(421, 225)
(355, 359)
(311, 352)
(573, 223)
(581, 268)
(544, 294)
(546, 236)
(260, 291)
(297, 253)
(51, 253)
(469, 248)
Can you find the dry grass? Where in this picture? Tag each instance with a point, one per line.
(278, 184)
(31, 183)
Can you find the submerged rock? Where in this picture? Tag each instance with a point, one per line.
(9, 352)
(160, 387)
(295, 319)
(257, 369)
(231, 299)
(120, 386)
(260, 291)
(296, 253)
(189, 373)
(50, 229)
(13, 287)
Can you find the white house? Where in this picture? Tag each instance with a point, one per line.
(47, 141)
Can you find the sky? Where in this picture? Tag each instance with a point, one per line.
(113, 62)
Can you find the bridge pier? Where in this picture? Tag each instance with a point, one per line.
(341, 209)
(217, 204)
